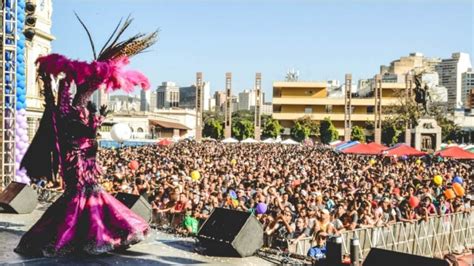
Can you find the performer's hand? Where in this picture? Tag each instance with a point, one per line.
(103, 110)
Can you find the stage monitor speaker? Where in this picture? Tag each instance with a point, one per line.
(231, 233)
(384, 257)
(18, 198)
(137, 204)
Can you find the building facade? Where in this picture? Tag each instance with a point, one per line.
(40, 45)
(145, 100)
(450, 76)
(100, 97)
(167, 95)
(247, 99)
(219, 97)
(467, 88)
(146, 125)
(187, 97)
(294, 100)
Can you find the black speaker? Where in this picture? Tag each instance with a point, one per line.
(231, 233)
(137, 204)
(384, 257)
(18, 198)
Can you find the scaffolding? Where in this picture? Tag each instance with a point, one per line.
(8, 37)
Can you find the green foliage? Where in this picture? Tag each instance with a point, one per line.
(450, 131)
(304, 128)
(213, 128)
(409, 111)
(242, 129)
(391, 130)
(358, 134)
(271, 127)
(327, 131)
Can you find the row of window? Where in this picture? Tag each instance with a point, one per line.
(328, 109)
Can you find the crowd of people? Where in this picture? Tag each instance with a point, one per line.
(295, 191)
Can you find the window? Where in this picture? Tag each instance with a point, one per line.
(308, 110)
(140, 130)
(370, 109)
(328, 108)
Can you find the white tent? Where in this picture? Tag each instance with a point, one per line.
(249, 140)
(230, 140)
(269, 141)
(290, 142)
(468, 147)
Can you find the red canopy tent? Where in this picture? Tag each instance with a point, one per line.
(380, 147)
(165, 142)
(403, 150)
(455, 153)
(362, 148)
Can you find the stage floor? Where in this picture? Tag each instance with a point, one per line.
(159, 248)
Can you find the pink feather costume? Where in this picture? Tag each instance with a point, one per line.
(85, 218)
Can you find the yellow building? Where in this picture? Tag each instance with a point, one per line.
(294, 100)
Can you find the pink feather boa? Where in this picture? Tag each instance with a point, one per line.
(109, 74)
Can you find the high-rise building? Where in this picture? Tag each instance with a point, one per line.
(40, 45)
(100, 97)
(207, 95)
(167, 95)
(438, 93)
(247, 99)
(153, 101)
(467, 87)
(187, 97)
(145, 100)
(219, 96)
(399, 68)
(471, 100)
(450, 76)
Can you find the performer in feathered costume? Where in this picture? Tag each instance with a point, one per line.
(85, 218)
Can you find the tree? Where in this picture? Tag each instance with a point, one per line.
(304, 128)
(242, 129)
(271, 127)
(327, 131)
(213, 128)
(450, 131)
(358, 134)
(409, 112)
(391, 131)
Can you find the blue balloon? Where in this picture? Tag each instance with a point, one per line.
(457, 179)
(232, 194)
(22, 98)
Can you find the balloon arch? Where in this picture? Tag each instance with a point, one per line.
(13, 93)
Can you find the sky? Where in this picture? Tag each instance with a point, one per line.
(322, 39)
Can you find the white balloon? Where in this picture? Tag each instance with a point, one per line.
(120, 132)
(24, 138)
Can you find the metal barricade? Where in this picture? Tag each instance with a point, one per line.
(432, 238)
